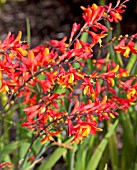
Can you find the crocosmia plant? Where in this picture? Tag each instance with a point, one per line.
(70, 84)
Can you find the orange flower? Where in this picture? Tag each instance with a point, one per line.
(124, 48)
(92, 14)
(75, 28)
(96, 38)
(68, 78)
(14, 45)
(115, 13)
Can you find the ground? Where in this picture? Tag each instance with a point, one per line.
(52, 19)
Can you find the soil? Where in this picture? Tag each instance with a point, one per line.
(52, 19)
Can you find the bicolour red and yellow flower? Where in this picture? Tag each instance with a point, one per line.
(126, 48)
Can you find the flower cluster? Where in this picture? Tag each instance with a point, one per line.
(47, 76)
(6, 165)
(126, 47)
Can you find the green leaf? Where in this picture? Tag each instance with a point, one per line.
(113, 150)
(23, 149)
(109, 37)
(8, 149)
(95, 159)
(120, 61)
(132, 62)
(129, 149)
(42, 150)
(54, 157)
(104, 158)
(135, 166)
(81, 155)
(91, 144)
(84, 37)
(102, 2)
(28, 31)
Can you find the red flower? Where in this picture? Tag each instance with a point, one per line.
(126, 49)
(68, 78)
(96, 38)
(75, 28)
(92, 14)
(115, 13)
(82, 129)
(6, 165)
(14, 45)
(61, 45)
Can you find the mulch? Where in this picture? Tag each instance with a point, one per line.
(52, 19)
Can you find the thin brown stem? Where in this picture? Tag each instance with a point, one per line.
(28, 151)
(78, 35)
